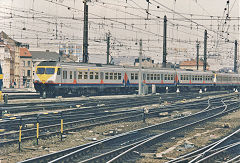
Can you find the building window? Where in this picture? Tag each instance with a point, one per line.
(29, 64)
(28, 72)
(23, 63)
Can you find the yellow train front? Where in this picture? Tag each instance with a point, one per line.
(45, 78)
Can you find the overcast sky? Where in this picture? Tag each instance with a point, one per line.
(35, 22)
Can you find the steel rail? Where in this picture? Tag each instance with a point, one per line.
(220, 151)
(233, 159)
(211, 147)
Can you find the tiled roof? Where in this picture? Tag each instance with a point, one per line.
(24, 52)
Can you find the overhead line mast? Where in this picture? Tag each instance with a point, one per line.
(85, 33)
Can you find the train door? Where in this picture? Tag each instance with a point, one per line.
(75, 77)
(59, 77)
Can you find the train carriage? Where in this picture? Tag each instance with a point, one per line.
(60, 78)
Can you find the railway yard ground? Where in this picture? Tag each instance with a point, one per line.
(91, 120)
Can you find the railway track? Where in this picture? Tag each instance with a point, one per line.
(50, 122)
(86, 107)
(39, 106)
(226, 149)
(82, 116)
(127, 146)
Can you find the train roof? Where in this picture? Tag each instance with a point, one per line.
(130, 68)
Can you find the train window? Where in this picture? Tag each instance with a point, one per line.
(158, 76)
(148, 76)
(79, 75)
(75, 74)
(151, 76)
(64, 74)
(115, 76)
(155, 76)
(144, 76)
(70, 74)
(119, 76)
(132, 76)
(165, 77)
(85, 75)
(91, 75)
(136, 76)
(111, 76)
(59, 71)
(169, 77)
(40, 70)
(96, 75)
(106, 75)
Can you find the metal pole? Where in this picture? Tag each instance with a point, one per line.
(61, 126)
(85, 33)
(197, 59)
(205, 51)
(235, 57)
(37, 128)
(165, 42)
(108, 47)
(20, 134)
(140, 69)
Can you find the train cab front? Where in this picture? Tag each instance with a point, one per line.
(45, 78)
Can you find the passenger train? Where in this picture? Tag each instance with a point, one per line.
(61, 78)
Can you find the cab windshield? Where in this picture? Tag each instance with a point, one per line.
(40, 70)
(50, 70)
(45, 70)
